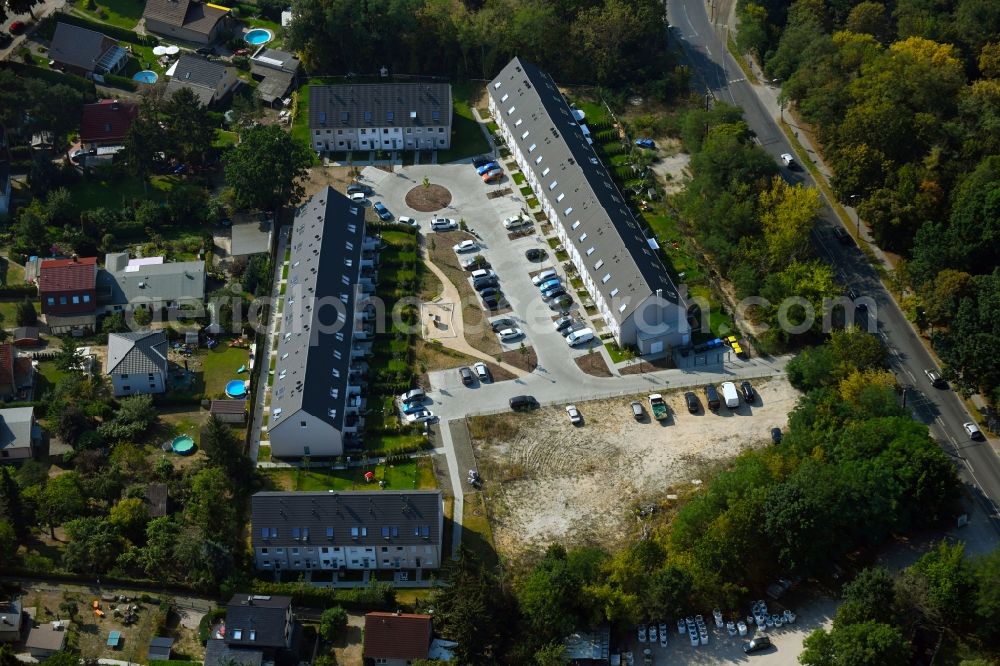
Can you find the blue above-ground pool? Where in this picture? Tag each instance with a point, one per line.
(236, 389)
(182, 445)
(258, 36)
(146, 76)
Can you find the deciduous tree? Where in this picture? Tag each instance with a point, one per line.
(270, 183)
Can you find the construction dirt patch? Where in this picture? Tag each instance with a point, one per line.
(549, 481)
(523, 358)
(429, 198)
(593, 364)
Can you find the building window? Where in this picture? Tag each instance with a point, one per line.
(86, 298)
(76, 300)
(302, 424)
(126, 388)
(62, 300)
(440, 130)
(237, 634)
(51, 300)
(409, 130)
(385, 131)
(342, 131)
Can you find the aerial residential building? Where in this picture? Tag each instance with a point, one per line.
(186, 20)
(209, 81)
(17, 375)
(105, 124)
(137, 362)
(11, 620)
(618, 264)
(159, 649)
(397, 639)
(149, 283)
(257, 629)
(67, 293)
(380, 116)
(332, 531)
(275, 72)
(316, 403)
(46, 639)
(85, 52)
(20, 436)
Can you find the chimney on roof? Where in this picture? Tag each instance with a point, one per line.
(75, 258)
(114, 105)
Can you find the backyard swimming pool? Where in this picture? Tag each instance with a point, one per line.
(258, 36)
(182, 445)
(236, 388)
(146, 76)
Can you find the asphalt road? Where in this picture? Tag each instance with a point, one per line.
(940, 409)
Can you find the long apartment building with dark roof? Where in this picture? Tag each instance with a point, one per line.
(331, 531)
(618, 264)
(316, 398)
(380, 116)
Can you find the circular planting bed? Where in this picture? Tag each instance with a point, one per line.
(428, 199)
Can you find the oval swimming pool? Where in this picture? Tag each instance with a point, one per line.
(146, 76)
(236, 388)
(182, 445)
(258, 36)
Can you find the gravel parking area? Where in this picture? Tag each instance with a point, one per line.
(550, 481)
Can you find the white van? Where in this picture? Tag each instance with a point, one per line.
(579, 337)
(547, 274)
(515, 222)
(730, 395)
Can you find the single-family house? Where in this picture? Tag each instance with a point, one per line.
(85, 52)
(20, 436)
(333, 531)
(46, 639)
(209, 81)
(159, 649)
(229, 411)
(380, 116)
(11, 620)
(275, 72)
(397, 639)
(67, 293)
(257, 629)
(17, 375)
(105, 124)
(619, 266)
(316, 402)
(186, 20)
(149, 283)
(137, 362)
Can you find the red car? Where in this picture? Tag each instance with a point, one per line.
(16, 27)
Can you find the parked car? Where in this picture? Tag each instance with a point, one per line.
(580, 337)
(493, 175)
(523, 402)
(483, 273)
(480, 160)
(561, 304)
(467, 378)
(382, 212)
(489, 292)
(712, 397)
(563, 323)
(412, 407)
(574, 414)
(500, 324)
(483, 372)
(535, 254)
(403, 219)
(638, 411)
(554, 293)
(358, 197)
(354, 188)
(478, 261)
(776, 435)
(788, 160)
(443, 224)
(934, 378)
(547, 274)
(645, 143)
(468, 245)
(16, 27)
(747, 390)
(413, 395)
(757, 644)
(480, 284)
(548, 284)
(730, 395)
(692, 402)
(973, 430)
(421, 416)
(515, 222)
(491, 302)
(489, 166)
(508, 334)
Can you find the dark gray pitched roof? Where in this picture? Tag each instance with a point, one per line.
(394, 517)
(198, 71)
(138, 352)
(159, 648)
(196, 16)
(263, 615)
(171, 12)
(140, 281)
(312, 369)
(15, 431)
(79, 47)
(217, 653)
(380, 105)
(272, 59)
(613, 247)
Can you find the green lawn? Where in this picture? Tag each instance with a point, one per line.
(224, 139)
(467, 137)
(8, 312)
(219, 366)
(300, 123)
(596, 113)
(115, 192)
(615, 352)
(518, 177)
(11, 272)
(48, 376)
(412, 474)
(122, 13)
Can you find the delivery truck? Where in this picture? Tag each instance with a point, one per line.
(730, 395)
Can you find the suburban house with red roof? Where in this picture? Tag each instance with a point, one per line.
(397, 639)
(16, 374)
(106, 123)
(67, 290)
(187, 20)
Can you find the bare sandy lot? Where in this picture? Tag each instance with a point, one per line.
(549, 481)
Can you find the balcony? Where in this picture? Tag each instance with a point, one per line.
(362, 349)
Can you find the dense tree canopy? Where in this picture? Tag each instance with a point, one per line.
(271, 183)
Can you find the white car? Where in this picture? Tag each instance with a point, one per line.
(508, 334)
(420, 417)
(514, 221)
(402, 219)
(642, 633)
(575, 417)
(358, 197)
(787, 160)
(547, 274)
(973, 430)
(467, 245)
(443, 224)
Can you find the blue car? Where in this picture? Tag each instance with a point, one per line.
(487, 167)
(645, 143)
(413, 407)
(382, 212)
(548, 284)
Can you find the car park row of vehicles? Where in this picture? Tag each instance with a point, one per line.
(488, 169)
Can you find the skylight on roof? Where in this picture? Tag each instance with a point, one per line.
(568, 211)
(604, 280)
(614, 292)
(435, 115)
(597, 266)
(504, 98)
(583, 236)
(590, 251)
(518, 122)
(368, 116)
(538, 159)
(621, 308)
(524, 135)
(511, 110)
(562, 195)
